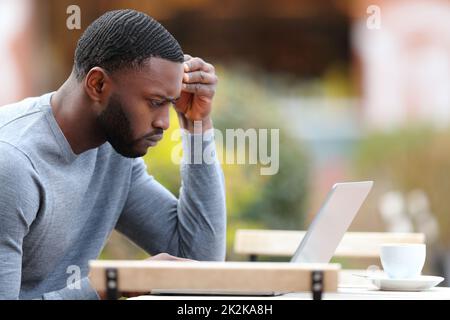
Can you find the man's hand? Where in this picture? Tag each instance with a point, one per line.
(167, 257)
(198, 89)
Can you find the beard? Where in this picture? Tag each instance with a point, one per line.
(117, 128)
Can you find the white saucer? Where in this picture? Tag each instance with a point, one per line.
(420, 283)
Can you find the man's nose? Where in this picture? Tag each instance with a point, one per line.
(162, 119)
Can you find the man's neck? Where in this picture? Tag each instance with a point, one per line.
(71, 110)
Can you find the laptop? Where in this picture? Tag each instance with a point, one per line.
(331, 222)
(322, 238)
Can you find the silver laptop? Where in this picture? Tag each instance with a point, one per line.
(331, 222)
(322, 238)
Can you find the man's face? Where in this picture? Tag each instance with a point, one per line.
(137, 112)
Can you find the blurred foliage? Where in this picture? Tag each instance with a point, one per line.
(243, 100)
(246, 99)
(335, 83)
(415, 157)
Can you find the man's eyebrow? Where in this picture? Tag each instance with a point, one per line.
(169, 99)
(163, 97)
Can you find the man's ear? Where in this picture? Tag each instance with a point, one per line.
(98, 85)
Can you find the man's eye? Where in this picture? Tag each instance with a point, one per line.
(157, 103)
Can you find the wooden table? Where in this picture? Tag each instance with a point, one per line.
(299, 279)
(115, 277)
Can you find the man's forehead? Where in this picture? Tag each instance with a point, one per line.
(161, 76)
(159, 65)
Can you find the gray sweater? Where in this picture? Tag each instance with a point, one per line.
(57, 208)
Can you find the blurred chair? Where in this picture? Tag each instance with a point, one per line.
(282, 243)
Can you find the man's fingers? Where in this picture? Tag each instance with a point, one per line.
(199, 89)
(200, 77)
(196, 64)
(187, 57)
(167, 257)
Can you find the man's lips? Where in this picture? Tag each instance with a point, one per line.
(155, 138)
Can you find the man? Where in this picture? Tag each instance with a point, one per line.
(70, 166)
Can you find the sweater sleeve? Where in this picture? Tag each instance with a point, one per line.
(193, 226)
(19, 204)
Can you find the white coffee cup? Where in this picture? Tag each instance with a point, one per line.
(403, 261)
